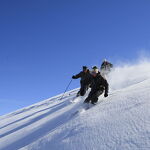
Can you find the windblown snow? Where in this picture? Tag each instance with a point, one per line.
(119, 122)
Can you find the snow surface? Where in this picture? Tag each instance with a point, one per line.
(118, 122)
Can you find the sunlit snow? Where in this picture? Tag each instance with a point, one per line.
(119, 122)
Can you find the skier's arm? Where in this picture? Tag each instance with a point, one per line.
(102, 66)
(77, 76)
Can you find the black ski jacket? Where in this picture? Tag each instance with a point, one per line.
(86, 78)
(106, 65)
(99, 84)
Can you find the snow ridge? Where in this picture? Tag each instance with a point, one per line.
(119, 122)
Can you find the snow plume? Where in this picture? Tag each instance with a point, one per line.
(125, 75)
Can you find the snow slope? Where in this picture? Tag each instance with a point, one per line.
(118, 122)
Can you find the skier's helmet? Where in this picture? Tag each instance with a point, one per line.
(85, 68)
(95, 69)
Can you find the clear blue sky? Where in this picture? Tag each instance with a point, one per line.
(44, 42)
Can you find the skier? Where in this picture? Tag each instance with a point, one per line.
(98, 86)
(105, 68)
(85, 80)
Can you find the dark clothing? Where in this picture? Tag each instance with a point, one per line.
(85, 81)
(93, 97)
(106, 66)
(99, 83)
(85, 77)
(98, 86)
(83, 90)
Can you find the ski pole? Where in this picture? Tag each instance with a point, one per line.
(66, 89)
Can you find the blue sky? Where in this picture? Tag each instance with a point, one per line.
(44, 42)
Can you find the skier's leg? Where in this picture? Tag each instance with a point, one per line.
(83, 90)
(94, 100)
(78, 94)
(95, 96)
(88, 99)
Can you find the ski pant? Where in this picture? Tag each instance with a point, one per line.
(83, 90)
(93, 96)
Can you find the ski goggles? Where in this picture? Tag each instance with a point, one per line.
(93, 73)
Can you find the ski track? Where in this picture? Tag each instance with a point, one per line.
(118, 122)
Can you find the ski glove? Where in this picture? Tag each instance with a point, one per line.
(73, 77)
(105, 95)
